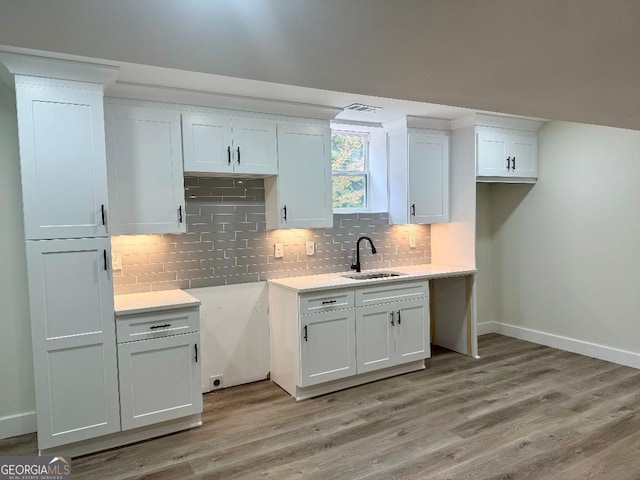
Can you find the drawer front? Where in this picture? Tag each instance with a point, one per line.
(391, 292)
(157, 324)
(326, 301)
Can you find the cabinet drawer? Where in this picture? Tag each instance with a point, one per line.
(391, 292)
(326, 301)
(157, 324)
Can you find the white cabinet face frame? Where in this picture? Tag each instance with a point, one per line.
(327, 347)
(428, 177)
(506, 153)
(145, 172)
(62, 158)
(73, 334)
(229, 145)
(159, 379)
(300, 196)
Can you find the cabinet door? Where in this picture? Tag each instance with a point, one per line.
(74, 343)
(62, 157)
(374, 337)
(327, 347)
(428, 178)
(254, 147)
(144, 160)
(524, 155)
(412, 327)
(300, 197)
(206, 140)
(492, 153)
(159, 379)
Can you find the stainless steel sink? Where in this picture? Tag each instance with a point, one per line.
(372, 275)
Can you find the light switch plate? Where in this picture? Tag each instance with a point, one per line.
(311, 247)
(116, 261)
(412, 241)
(278, 250)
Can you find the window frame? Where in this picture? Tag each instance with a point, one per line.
(345, 173)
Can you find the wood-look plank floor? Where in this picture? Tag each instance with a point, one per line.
(523, 411)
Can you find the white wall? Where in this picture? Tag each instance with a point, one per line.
(566, 251)
(234, 332)
(484, 256)
(16, 365)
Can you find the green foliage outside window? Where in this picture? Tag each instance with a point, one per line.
(349, 166)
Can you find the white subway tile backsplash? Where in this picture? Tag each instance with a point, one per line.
(227, 242)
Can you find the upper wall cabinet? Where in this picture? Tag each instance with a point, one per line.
(300, 196)
(225, 145)
(62, 157)
(418, 176)
(506, 155)
(144, 160)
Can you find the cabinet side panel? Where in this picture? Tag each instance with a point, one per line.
(398, 178)
(284, 337)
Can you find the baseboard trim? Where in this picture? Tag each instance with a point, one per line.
(20, 424)
(610, 354)
(485, 327)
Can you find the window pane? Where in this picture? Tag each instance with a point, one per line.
(349, 191)
(348, 152)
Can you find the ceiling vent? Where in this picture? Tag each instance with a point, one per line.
(359, 107)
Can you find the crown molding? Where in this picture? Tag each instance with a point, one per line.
(39, 66)
(183, 96)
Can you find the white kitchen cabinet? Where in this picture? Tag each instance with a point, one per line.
(328, 346)
(374, 340)
(144, 166)
(159, 379)
(418, 176)
(159, 358)
(331, 339)
(74, 339)
(229, 145)
(300, 196)
(62, 158)
(506, 155)
(393, 333)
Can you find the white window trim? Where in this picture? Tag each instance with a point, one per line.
(366, 172)
(378, 199)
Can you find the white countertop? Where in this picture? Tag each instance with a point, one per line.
(153, 301)
(310, 283)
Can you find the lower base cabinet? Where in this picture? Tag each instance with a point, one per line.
(329, 337)
(328, 347)
(159, 367)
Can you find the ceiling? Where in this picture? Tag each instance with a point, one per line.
(573, 60)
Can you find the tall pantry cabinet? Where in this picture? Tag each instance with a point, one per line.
(64, 180)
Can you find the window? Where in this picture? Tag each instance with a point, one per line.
(350, 169)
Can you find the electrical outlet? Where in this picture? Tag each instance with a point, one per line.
(216, 382)
(311, 247)
(278, 250)
(412, 241)
(116, 261)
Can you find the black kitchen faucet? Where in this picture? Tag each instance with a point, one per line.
(356, 266)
